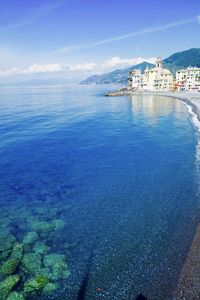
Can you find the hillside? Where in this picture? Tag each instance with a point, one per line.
(174, 62)
(183, 59)
(117, 76)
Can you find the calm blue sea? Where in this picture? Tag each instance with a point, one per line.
(120, 175)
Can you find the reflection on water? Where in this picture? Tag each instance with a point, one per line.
(94, 189)
(153, 107)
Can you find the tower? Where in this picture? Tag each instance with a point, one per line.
(159, 63)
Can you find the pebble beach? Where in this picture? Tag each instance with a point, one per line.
(188, 285)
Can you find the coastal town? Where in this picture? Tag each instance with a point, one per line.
(160, 79)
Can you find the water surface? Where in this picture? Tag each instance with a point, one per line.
(120, 172)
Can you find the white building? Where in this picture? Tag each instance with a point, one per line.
(188, 79)
(155, 79)
(158, 78)
(135, 80)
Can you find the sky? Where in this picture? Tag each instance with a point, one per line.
(77, 38)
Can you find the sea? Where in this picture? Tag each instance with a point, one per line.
(101, 193)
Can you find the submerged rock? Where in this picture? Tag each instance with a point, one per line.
(7, 285)
(58, 266)
(59, 224)
(6, 242)
(35, 284)
(5, 254)
(49, 288)
(9, 267)
(43, 272)
(31, 263)
(17, 251)
(30, 238)
(15, 296)
(42, 228)
(41, 248)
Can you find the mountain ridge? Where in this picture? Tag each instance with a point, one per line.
(174, 62)
(116, 76)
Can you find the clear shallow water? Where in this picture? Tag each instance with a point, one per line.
(120, 172)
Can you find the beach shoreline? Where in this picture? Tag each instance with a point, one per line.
(190, 98)
(188, 286)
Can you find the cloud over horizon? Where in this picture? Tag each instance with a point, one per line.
(33, 69)
(106, 65)
(83, 67)
(116, 61)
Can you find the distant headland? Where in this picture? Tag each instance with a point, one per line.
(173, 63)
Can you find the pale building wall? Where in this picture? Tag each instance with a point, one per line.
(158, 78)
(155, 79)
(188, 79)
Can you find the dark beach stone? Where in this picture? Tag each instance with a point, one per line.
(140, 297)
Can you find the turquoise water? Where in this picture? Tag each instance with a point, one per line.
(110, 185)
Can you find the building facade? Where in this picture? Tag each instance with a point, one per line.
(188, 79)
(156, 79)
(135, 80)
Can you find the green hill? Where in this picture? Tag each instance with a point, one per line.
(183, 59)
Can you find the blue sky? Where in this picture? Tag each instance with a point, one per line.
(78, 37)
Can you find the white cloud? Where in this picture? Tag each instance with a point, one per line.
(34, 69)
(198, 19)
(123, 62)
(110, 64)
(83, 67)
(48, 68)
